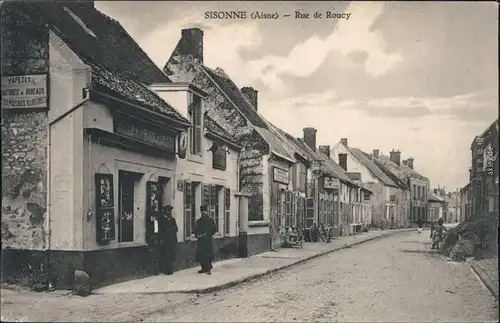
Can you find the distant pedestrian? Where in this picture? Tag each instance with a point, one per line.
(420, 224)
(437, 234)
(204, 230)
(167, 227)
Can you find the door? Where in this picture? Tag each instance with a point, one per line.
(275, 220)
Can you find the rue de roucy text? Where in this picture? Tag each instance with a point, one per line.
(298, 14)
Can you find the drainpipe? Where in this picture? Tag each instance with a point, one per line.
(47, 219)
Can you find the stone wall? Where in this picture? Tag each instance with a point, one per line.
(24, 179)
(25, 50)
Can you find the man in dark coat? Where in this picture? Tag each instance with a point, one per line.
(204, 230)
(167, 230)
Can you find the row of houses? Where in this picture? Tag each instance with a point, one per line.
(480, 195)
(96, 139)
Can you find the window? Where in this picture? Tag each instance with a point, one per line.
(288, 203)
(227, 210)
(126, 192)
(195, 132)
(190, 207)
(211, 200)
(219, 157)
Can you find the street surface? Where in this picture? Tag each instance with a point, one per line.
(396, 279)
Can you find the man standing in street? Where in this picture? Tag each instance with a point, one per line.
(420, 224)
(204, 230)
(168, 240)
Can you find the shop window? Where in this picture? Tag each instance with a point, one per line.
(219, 156)
(126, 193)
(227, 211)
(211, 201)
(196, 131)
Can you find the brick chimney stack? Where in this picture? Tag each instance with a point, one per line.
(344, 141)
(191, 43)
(325, 149)
(251, 94)
(395, 156)
(376, 153)
(310, 137)
(410, 162)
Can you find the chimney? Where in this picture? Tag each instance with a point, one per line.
(191, 43)
(325, 149)
(251, 94)
(310, 137)
(343, 161)
(405, 162)
(343, 141)
(376, 153)
(436, 191)
(410, 162)
(395, 157)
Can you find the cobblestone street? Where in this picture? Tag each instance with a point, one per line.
(392, 279)
(396, 279)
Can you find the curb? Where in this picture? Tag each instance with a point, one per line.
(271, 271)
(485, 279)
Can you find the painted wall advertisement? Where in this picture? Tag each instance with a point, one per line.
(488, 160)
(26, 91)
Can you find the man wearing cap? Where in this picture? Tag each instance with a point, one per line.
(167, 231)
(204, 230)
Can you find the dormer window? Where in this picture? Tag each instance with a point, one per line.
(196, 131)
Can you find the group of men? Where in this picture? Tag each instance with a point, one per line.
(167, 240)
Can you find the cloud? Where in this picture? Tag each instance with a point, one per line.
(349, 37)
(466, 107)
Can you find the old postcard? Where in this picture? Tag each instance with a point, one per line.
(182, 161)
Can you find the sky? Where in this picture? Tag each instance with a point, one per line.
(419, 77)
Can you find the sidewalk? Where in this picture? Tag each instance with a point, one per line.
(487, 270)
(231, 272)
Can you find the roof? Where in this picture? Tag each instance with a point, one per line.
(99, 39)
(214, 128)
(235, 95)
(366, 160)
(261, 126)
(398, 173)
(121, 86)
(119, 66)
(434, 198)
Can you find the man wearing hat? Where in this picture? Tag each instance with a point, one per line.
(167, 232)
(204, 230)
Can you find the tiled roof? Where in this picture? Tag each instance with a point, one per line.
(392, 170)
(235, 95)
(372, 167)
(112, 47)
(215, 128)
(434, 198)
(276, 143)
(119, 66)
(122, 86)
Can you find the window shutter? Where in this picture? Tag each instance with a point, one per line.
(227, 210)
(187, 209)
(206, 196)
(198, 130)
